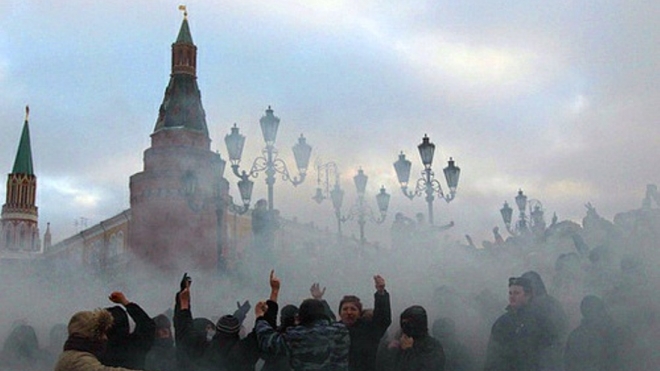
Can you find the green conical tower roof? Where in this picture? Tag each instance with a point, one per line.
(23, 163)
(184, 33)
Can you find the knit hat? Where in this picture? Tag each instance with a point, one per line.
(228, 324)
(90, 324)
(414, 321)
(351, 299)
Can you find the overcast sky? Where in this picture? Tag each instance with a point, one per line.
(558, 98)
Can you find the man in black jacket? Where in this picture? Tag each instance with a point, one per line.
(366, 332)
(128, 349)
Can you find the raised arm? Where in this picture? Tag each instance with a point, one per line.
(145, 327)
(269, 340)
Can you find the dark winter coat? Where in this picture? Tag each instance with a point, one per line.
(224, 352)
(366, 334)
(162, 356)
(129, 349)
(274, 362)
(515, 343)
(426, 354)
(595, 345)
(319, 346)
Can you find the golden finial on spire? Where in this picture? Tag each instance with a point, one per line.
(185, 12)
(27, 112)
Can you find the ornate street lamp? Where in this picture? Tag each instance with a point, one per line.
(427, 184)
(534, 222)
(361, 210)
(268, 162)
(323, 190)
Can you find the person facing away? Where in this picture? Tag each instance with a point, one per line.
(125, 348)
(552, 319)
(366, 332)
(86, 342)
(516, 337)
(415, 349)
(288, 318)
(314, 344)
(596, 344)
(161, 356)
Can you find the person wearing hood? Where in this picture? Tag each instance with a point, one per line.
(87, 341)
(595, 345)
(21, 351)
(366, 333)
(203, 346)
(415, 349)
(552, 319)
(162, 357)
(516, 337)
(125, 348)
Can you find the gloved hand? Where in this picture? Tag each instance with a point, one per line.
(242, 310)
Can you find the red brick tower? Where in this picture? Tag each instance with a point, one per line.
(177, 213)
(18, 225)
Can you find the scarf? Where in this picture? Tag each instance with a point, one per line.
(93, 346)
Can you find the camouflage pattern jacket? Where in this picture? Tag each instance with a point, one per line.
(321, 346)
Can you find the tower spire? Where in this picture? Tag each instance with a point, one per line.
(23, 162)
(19, 217)
(182, 105)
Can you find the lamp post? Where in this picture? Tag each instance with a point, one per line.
(268, 162)
(535, 222)
(323, 191)
(245, 186)
(360, 209)
(427, 184)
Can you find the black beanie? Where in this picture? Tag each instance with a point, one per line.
(228, 324)
(414, 321)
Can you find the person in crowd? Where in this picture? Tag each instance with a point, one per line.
(594, 345)
(56, 338)
(366, 333)
(553, 320)
(202, 346)
(516, 337)
(457, 355)
(86, 342)
(21, 351)
(414, 349)
(278, 362)
(161, 356)
(314, 344)
(125, 348)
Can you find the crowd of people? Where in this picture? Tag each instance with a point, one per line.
(532, 334)
(595, 310)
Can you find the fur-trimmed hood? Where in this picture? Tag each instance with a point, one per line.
(90, 324)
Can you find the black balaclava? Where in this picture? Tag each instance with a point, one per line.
(414, 321)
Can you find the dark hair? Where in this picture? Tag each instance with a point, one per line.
(311, 310)
(522, 282)
(351, 299)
